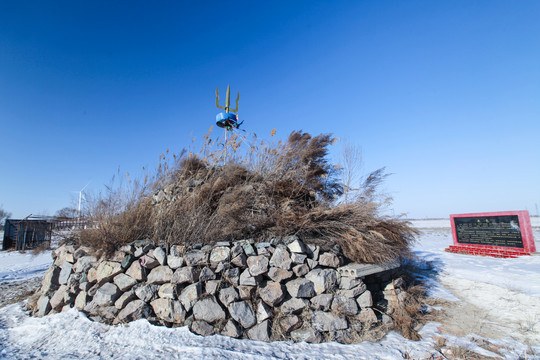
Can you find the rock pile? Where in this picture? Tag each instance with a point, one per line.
(276, 290)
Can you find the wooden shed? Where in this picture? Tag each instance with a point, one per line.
(28, 233)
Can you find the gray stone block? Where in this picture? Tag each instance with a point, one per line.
(190, 294)
(106, 295)
(300, 288)
(125, 299)
(168, 291)
(298, 258)
(300, 270)
(281, 258)
(362, 270)
(322, 302)
(257, 265)
(222, 243)
(195, 257)
(124, 282)
(136, 309)
(347, 283)
(128, 249)
(260, 332)
(160, 256)
(43, 306)
(208, 309)
(323, 279)
(175, 262)
(206, 274)
(249, 250)
(136, 271)
(228, 295)
(57, 300)
(236, 250)
(354, 292)
(365, 300)
(149, 262)
(73, 282)
(146, 292)
(327, 321)
(221, 266)
(308, 335)
(212, 286)
(294, 306)
(160, 275)
(296, 246)
(106, 271)
(50, 280)
(313, 252)
(232, 329)
(127, 261)
(247, 279)
(289, 323)
(81, 300)
(272, 293)
(278, 275)
(329, 259)
(312, 263)
(240, 260)
(177, 250)
(344, 305)
(85, 286)
(219, 253)
(242, 313)
(263, 312)
(232, 275)
(202, 328)
(186, 274)
(246, 292)
(84, 263)
(169, 310)
(367, 315)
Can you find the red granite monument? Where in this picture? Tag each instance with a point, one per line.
(505, 234)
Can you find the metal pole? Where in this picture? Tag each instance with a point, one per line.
(225, 159)
(24, 241)
(80, 196)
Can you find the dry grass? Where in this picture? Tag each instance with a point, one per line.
(409, 314)
(41, 249)
(253, 190)
(463, 353)
(119, 217)
(414, 307)
(362, 235)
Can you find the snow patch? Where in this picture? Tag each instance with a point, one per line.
(15, 266)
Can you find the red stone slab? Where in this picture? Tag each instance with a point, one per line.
(499, 234)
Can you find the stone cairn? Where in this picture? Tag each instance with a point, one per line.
(278, 290)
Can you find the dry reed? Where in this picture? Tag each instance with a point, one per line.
(247, 188)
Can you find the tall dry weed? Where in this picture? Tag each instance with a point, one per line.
(120, 214)
(249, 188)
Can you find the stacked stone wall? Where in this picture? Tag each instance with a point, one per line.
(279, 290)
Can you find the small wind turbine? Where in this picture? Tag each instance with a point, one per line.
(80, 199)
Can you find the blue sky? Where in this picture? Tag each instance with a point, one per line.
(444, 94)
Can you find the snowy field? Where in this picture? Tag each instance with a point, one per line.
(492, 309)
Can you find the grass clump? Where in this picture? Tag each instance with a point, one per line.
(238, 190)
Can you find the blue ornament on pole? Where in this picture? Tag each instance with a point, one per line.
(227, 120)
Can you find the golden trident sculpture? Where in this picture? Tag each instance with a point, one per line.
(227, 107)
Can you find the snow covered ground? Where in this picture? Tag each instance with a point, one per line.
(16, 266)
(487, 301)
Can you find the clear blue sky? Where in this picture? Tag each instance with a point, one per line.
(445, 94)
